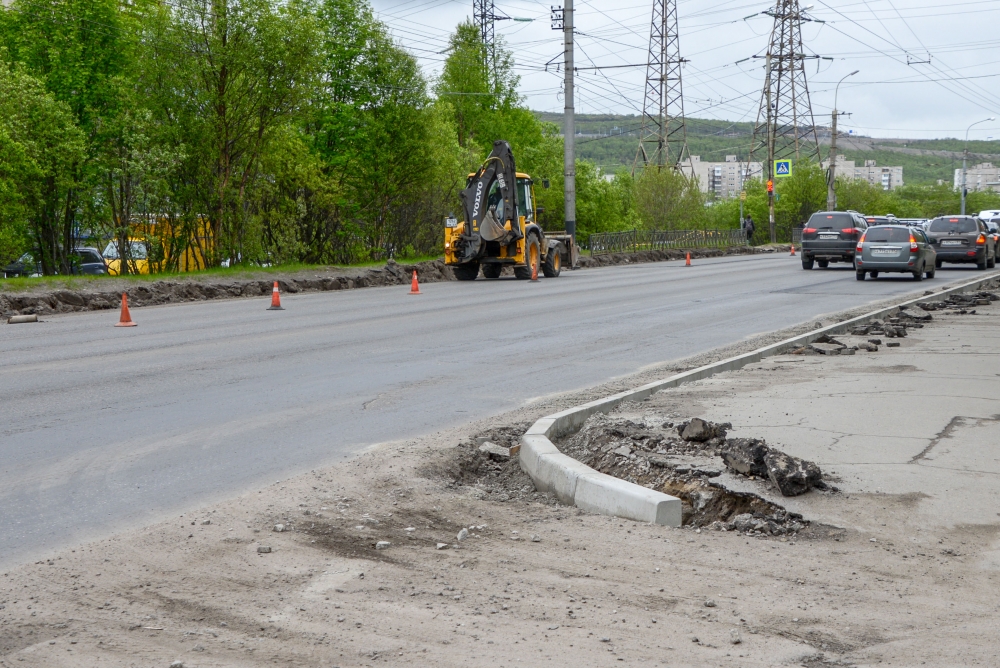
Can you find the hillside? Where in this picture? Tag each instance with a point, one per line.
(610, 141)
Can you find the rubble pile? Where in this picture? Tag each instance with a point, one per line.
(959, 302)
(685, 459)
(753, 458)
(488, 464)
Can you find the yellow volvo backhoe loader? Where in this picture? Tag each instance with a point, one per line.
(501, 226)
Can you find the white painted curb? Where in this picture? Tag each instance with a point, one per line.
(574, 483)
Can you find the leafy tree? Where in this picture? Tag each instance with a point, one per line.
(243, 70)
(38, 177)
(666, 200)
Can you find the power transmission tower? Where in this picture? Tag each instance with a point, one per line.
(785, 128)
(484, 13)
(663, 136)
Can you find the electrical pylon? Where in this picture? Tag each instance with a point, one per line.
(663, 136)
(485, 15)
(785, 126)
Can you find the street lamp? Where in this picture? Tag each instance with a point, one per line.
(831, 196)
(965, 157)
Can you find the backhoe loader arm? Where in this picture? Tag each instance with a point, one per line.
(476, 202)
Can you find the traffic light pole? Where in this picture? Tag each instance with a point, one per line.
(770, 153)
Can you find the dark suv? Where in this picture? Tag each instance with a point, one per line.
(84, 260)
(962, 239)
(831, 236)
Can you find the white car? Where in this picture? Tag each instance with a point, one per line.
(989, 213)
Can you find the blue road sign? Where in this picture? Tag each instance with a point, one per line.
(782, 168)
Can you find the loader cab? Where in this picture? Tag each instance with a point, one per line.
(525, 198)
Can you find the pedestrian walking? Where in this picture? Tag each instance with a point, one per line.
(749, 228)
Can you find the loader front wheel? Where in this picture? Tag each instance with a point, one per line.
(492, 270)
(553, 263)
(532, 257)
(467, 271)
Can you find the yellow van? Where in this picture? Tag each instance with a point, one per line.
(138, 263)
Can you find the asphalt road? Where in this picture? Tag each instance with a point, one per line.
(103, 428)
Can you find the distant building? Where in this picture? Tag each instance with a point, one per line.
(984, 176)
(888, 178)
(723, 179)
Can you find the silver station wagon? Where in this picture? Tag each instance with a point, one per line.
(895, 248)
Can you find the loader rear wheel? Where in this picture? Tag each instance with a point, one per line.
(532, 256)
(553, 263)
(492, 270)
(467, 271)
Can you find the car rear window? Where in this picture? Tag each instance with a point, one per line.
(954, 225)
(888, 235)
(830, 221)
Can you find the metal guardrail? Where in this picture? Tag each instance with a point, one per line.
(640, 240)
(797, 235)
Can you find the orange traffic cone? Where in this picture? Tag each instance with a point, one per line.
(793, 249)
(687, 259)
(414, 286)
(126, 318)
(275, 299)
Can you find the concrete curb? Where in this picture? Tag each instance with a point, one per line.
(575, 483)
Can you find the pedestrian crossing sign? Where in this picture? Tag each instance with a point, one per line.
(782, 168)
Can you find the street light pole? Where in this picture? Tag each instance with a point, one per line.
(965, 157)
(831, 195)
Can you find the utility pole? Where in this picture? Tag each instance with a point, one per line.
(831, 194)
(663, 136)
(569, 125)
(965, 157)
(785, 127)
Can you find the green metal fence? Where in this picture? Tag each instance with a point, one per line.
(640, 240)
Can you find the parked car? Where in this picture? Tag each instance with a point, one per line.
(989, 213)
(88, 262)
(84, 261)
(913, 222)
(962, 239)
(831, 236)
(895, 248)
(26, 265)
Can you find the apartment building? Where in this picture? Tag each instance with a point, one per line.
(984, 176)
(723, 179)
(887, 178)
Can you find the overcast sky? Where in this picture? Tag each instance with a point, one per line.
(888, 98)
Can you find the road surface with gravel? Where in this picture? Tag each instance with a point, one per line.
(104, 428)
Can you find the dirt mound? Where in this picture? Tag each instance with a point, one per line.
(179, 289)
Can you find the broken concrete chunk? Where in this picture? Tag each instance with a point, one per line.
(892, 344)
(870, 347)
(746, 456)
(791, 475)
(494, 451)
(382, 545)
(441, 546)
(701, 430)
(462, 535)
(624, 451)
(825, 348)
(914, 315)
(263, 549)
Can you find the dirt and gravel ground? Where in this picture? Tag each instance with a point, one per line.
(875, 579)
(95, 294)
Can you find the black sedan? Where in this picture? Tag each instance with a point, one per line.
(84, 261)
(962, 239)
(831, 236)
